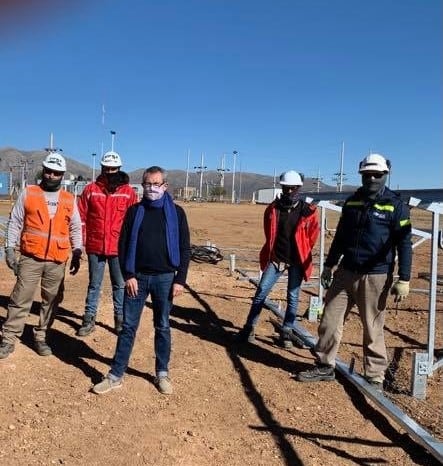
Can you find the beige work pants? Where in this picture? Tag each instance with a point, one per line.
(31, 273)
(369, 293)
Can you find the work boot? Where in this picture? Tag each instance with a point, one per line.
(376, 385)
(285, 340)
(118, 323)
(5, 349)
(318, 373)
(245, 335)
(88, 326)
(42, 348)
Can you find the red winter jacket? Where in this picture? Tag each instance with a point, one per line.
(102, 213)
(306, 234)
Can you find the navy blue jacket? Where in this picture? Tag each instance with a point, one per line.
(152, 251)
(369, 234)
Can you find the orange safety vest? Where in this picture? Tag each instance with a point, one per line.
(42, 237)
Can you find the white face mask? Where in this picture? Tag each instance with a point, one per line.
(153, 193)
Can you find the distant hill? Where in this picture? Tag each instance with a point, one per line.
(28, 163)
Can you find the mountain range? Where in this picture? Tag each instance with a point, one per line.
(27, 165)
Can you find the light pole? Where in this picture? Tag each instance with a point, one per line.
(342, 154)
(187, 176)
(239, 186)
(200, 172)
(93, 166)
(234, 153)
(112, 140)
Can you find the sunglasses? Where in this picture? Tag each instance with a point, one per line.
(377, 175)
(290, 188)
(48, 171)
(153, 185)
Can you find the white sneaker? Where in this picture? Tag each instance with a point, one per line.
(163, 385)
(106, 385)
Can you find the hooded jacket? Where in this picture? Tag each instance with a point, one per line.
(102, 211)
(305, 235)
(370, 232)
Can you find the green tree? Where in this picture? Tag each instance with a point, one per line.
(217, 191)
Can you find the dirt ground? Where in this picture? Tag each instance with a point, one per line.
(231, 405)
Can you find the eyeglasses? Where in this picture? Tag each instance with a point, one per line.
(153, 185)
(48, 171)
(377, 175)
(290, 188)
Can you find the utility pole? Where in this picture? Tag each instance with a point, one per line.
(51, 147)
(342, 154)
(317, 181)
(239, 185)
(208, 184)
(234, 153)
(24, 167)
(200, 170)
(274, 184)
(340, 176)
(103, 129)
(221, 173)
(187, 176)
(93, 166)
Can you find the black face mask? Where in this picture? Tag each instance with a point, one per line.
(113, 181)
(371, 185)
(289, 198)
(51, 185)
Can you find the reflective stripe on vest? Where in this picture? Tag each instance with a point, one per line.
(387, 207)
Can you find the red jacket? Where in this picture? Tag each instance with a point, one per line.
(305, 237)
(102, 213)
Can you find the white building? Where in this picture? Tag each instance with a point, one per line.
(266, 195)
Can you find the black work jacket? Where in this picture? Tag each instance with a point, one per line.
(369, 234)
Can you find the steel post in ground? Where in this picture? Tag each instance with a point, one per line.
(231, 264)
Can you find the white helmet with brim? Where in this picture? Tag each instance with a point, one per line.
(291, 178)
(111, 159)
(55, 161)
(374, 163)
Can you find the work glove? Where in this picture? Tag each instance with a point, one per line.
(75, 261)
(326, 277)
(400, 290)
(11, 260)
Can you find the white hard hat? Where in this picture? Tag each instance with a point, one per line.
(54, 161)
(111, 159)
(291, 178)
(374, 163)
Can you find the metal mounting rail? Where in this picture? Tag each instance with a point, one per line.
(418, 433)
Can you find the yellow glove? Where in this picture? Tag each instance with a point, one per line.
(400, 290)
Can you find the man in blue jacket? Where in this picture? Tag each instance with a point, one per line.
(154, 254)
(373, 227)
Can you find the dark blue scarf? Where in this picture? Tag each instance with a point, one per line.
(172, 241)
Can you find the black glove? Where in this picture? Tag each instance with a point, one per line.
(11, 260)
(75, 261)
(326, 277)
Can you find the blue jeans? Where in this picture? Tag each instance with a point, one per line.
(269, 278)
(160, 288)
(97, 264)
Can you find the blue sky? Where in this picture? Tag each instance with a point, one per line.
(283, 82)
